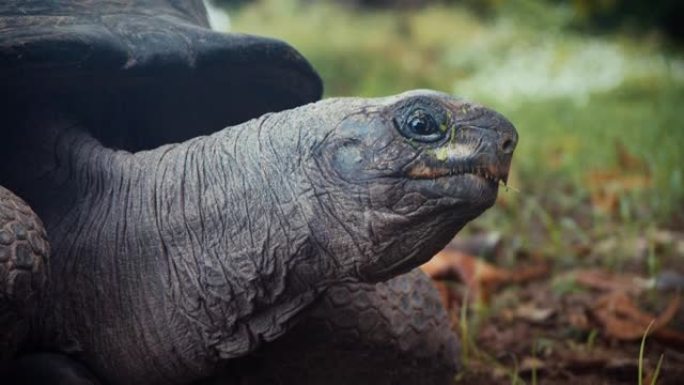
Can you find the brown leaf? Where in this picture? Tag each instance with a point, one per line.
(607, 281)
(481, 278)
(608, 185)
(670, 337)
(623, 320)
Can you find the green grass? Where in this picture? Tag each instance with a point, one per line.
(571, 96)
(642, 347)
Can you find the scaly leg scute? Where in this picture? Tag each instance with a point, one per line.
(24, 251)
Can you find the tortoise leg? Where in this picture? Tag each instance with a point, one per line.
(23, 271)
(24, 253)
(396, 332)
(46, 368)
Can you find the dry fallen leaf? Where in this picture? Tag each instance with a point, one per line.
(670, 337)
(607, 281)
(623, 320)
(607, 186)
(481, 278)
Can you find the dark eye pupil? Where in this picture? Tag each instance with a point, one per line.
(420, 125)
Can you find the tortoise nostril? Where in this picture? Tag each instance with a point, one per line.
(507, 145)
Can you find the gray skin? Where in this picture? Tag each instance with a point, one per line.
(389, 333)
(23, 256)
(168, 263)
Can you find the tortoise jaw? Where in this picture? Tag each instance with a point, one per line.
(495, 173)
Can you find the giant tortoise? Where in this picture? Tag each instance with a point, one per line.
(175, 250)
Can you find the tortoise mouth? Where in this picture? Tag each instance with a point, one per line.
(493, 174)
(473, 184)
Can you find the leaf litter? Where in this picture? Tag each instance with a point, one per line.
(537, 323)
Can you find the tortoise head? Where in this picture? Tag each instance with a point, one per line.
(405, 173)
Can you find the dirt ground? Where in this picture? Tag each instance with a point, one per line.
(542, 322)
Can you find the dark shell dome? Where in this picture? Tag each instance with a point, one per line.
(141, 73)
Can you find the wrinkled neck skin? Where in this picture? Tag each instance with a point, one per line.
(170, 260)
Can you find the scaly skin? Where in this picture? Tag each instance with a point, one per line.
(181, 258)
(395, 332)
(23, 259)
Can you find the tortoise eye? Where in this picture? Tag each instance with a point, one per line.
(421, 126)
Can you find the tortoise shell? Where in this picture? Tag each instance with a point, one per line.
(141, 73)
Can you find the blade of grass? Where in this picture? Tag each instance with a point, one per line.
(641, 354)
(654, 379)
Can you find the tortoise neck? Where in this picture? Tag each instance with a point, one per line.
(235, 229)
(208, 237)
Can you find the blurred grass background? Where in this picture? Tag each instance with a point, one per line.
(595, 88)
